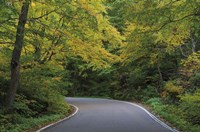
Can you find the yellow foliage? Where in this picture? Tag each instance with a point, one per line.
(57, 78)
(192, 63)
(93, 7)
(92, 53)
(171, 88)
(173, 35)
(33, 4)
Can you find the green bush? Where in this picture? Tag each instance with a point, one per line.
(157, 105)
(146, 93)
(171, 92)
(190, 103)
(195, 81)
(44, 88)
(173, 114)
(39, 99)
(4, 84)
(23, 124)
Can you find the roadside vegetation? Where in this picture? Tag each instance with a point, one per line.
(136, 50)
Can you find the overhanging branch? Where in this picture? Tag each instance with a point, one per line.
(176, 20)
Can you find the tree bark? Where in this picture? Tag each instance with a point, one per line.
(15, 62)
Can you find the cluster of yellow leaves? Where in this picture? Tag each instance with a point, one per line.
(173, 35)
(195, 98)
(192, 63)
(96, 55)
(94, 7)
(170, 88)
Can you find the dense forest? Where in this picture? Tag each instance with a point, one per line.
(146, 51)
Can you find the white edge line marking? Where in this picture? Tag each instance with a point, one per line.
(52, 124)
(151, 115)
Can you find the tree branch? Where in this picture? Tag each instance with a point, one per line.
(45, 14)
(2, 22)
(172, 21)
(54, 10)
(6, 43)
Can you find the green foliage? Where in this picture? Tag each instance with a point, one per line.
(155, 102)
(160, 54)
(122, 49)
(4, 83)
(147, 93)
(192, 63)
(190, 104)
(24, 124)
(21, 106)
(44, 86)
(171, 92)
(171, 88)
(195, 80)
(172, 114)
(39, 100)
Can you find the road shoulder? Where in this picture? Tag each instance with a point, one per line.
(74, 112)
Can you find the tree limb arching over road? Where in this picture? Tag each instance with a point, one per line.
(104, 115)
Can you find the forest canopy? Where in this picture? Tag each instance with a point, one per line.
(137, 50)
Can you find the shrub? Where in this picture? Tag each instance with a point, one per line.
(190, 103)
(156, 104)
(21, 106)
(195, 80)
(147, 93)
(44, 89)
(171, 92)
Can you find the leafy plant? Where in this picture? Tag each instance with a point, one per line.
(190, 104)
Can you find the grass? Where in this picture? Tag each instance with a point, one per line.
(172, 114)
(28, 124)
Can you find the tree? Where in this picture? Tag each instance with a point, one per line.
(15, 62)
(158, 35)
(56, 30)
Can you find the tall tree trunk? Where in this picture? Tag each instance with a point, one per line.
(15, 62)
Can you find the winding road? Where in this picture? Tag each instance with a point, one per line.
(104, 115)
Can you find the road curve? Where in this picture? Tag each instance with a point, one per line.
(104, 115)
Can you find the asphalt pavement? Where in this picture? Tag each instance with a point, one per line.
(104, 115)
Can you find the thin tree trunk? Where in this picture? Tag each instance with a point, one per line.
(15, 62)
(160, 78)
(193, 43)
(160, 74)
(182, 53)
